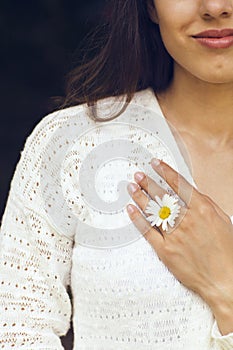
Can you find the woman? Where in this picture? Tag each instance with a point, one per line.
(149, 288)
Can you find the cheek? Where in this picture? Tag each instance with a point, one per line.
(172, 38)
(176, 16)
(177, 8)
(175, 28)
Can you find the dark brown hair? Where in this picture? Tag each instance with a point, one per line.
(130, 57)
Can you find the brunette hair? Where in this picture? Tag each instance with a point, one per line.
(130, 57)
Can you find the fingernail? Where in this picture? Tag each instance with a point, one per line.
(155, 161)
(130, 209)
(139, 176)
(132, 187)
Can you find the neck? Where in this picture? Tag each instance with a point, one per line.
(201, 109)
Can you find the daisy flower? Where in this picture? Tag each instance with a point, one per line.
(163, 212)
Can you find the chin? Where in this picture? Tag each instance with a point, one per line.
(217, 78)
(218, 74)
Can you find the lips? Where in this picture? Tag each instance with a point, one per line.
(215, 39)
(214, 33)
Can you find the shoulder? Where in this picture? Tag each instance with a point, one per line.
(54, 135)
(51, 122)
(82, 114)
(64, 125)
(37, 182)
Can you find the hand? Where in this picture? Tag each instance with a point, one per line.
(199, 250)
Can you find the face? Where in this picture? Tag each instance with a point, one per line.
(185, 29)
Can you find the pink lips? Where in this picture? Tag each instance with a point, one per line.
(216, 39)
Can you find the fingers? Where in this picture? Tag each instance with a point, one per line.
(149, 185)
(142, 201)
(138, 196)
(176, 181)
(143, 226)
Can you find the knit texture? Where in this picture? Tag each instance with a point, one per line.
(65, 223)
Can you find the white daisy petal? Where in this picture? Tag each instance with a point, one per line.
(159, 221)
(164, 225)
(153, 223)
(164, 212)
(152, 217)
(152, 207)
(159, 201)
(172, 222)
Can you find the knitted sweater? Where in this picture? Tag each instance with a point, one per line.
(65, 224)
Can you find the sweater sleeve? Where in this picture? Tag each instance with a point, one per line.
(221, 342)
(35, 261)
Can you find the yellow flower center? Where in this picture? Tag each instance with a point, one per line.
(164, 213)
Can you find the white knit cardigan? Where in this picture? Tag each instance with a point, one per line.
(65, 223)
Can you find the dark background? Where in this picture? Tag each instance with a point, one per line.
(38, 42)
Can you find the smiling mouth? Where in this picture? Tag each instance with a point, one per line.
(215, 34)
(215, 39)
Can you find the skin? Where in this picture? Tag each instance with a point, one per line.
(203, 86)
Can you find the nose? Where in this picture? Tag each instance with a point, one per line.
(216, 8)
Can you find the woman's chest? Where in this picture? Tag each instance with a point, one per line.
(212, 171)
